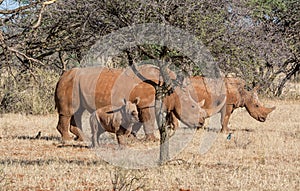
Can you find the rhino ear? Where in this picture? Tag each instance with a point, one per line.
(137, 100)
(201, 103)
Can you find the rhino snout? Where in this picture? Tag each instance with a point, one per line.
(261, 119)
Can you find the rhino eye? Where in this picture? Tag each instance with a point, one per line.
(193, 106)
(256, 105)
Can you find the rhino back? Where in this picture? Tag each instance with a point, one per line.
(104, 86)
(210, 90)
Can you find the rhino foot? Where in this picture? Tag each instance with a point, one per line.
(150, 138)
(131, 139)
(78, 138)
(226, 130)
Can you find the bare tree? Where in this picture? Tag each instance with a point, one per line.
(162, 89)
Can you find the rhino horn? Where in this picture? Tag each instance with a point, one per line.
(201, 103)
(269, 110)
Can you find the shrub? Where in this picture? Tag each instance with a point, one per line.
(28, 91)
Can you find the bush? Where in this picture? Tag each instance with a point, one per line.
(28, 91)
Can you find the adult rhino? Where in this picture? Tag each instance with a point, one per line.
(91, 88)
(236, 96)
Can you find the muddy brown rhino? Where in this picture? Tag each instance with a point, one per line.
(118, 120)
(236, 96)
(88, 89)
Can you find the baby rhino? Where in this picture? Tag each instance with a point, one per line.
(118, 120)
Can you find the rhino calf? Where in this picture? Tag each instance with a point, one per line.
(118, 120)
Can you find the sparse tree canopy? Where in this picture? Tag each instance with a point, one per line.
(257, 40)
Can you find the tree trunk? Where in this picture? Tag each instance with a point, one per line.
(162, 89)
(161, 120)
(287, 77)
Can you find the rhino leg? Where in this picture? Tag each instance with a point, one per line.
(148, 121)
(121, 139)
(136, 127)
(63, 127)
(149, 131)
(76, 131)
(225, 118)
(76, 125)
(94, 129)
(98, 130)
(148, 125)
(174, 123)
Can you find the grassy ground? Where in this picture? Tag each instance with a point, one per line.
(259, 156)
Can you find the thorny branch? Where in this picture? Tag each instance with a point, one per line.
(38, 23)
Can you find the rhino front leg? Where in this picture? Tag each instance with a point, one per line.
(225, 118)
(149, 131)
(148, 121)
(148, 128)
(136, 127)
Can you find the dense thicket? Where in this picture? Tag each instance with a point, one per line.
(256, 40)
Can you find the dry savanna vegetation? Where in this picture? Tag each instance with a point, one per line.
(259, 156)
(256, 40)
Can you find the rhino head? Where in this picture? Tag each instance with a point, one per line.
(255, 108)
(185, 108)
(131, 112)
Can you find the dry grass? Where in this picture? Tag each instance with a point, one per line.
(259, 156)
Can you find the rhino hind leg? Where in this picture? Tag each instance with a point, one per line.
(76, 125)
(77, 118)
(76, 131)
(63, 127)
